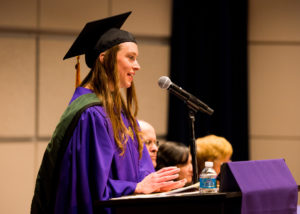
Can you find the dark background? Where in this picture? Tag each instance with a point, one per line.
(209, 60)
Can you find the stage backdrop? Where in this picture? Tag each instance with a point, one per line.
(209, 60)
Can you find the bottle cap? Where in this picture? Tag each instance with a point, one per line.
(209, 164)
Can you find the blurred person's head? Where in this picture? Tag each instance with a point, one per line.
(148, 136)
(213, 148)
(176, 154)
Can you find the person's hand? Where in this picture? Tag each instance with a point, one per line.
(160, 181)
(173, 185)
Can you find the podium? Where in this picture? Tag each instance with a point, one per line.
(214, 203)
(245, 187)
(267, 186)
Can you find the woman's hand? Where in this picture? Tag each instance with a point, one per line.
(160, 181)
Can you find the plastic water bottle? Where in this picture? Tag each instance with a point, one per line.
(208, 179)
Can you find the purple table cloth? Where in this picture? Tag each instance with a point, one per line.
(267, 186)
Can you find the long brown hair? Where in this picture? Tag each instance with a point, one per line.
(99, 78)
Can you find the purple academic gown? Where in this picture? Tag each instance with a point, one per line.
(92, 168)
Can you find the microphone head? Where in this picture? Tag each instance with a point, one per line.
(164, 82)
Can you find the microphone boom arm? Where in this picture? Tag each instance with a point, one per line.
(194, 103)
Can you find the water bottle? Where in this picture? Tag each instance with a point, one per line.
(208, 179)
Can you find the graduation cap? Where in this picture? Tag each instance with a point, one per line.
(98, 36)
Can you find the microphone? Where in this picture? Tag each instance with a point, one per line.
(192, 101)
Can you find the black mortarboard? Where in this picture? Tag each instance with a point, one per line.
(98, 36)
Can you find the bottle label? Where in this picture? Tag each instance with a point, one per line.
(208, 183)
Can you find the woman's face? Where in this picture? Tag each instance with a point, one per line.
(127, 63)
(186, 170)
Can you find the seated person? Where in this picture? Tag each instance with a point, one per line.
(176, 154)
(149, 137)
(215, 149)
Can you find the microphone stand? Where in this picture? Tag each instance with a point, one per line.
(192, 112)
(193, 108)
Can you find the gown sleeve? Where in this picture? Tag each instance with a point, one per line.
(86, 166)
(120, 187)
(145, 165)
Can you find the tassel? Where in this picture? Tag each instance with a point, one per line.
(77, 67)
